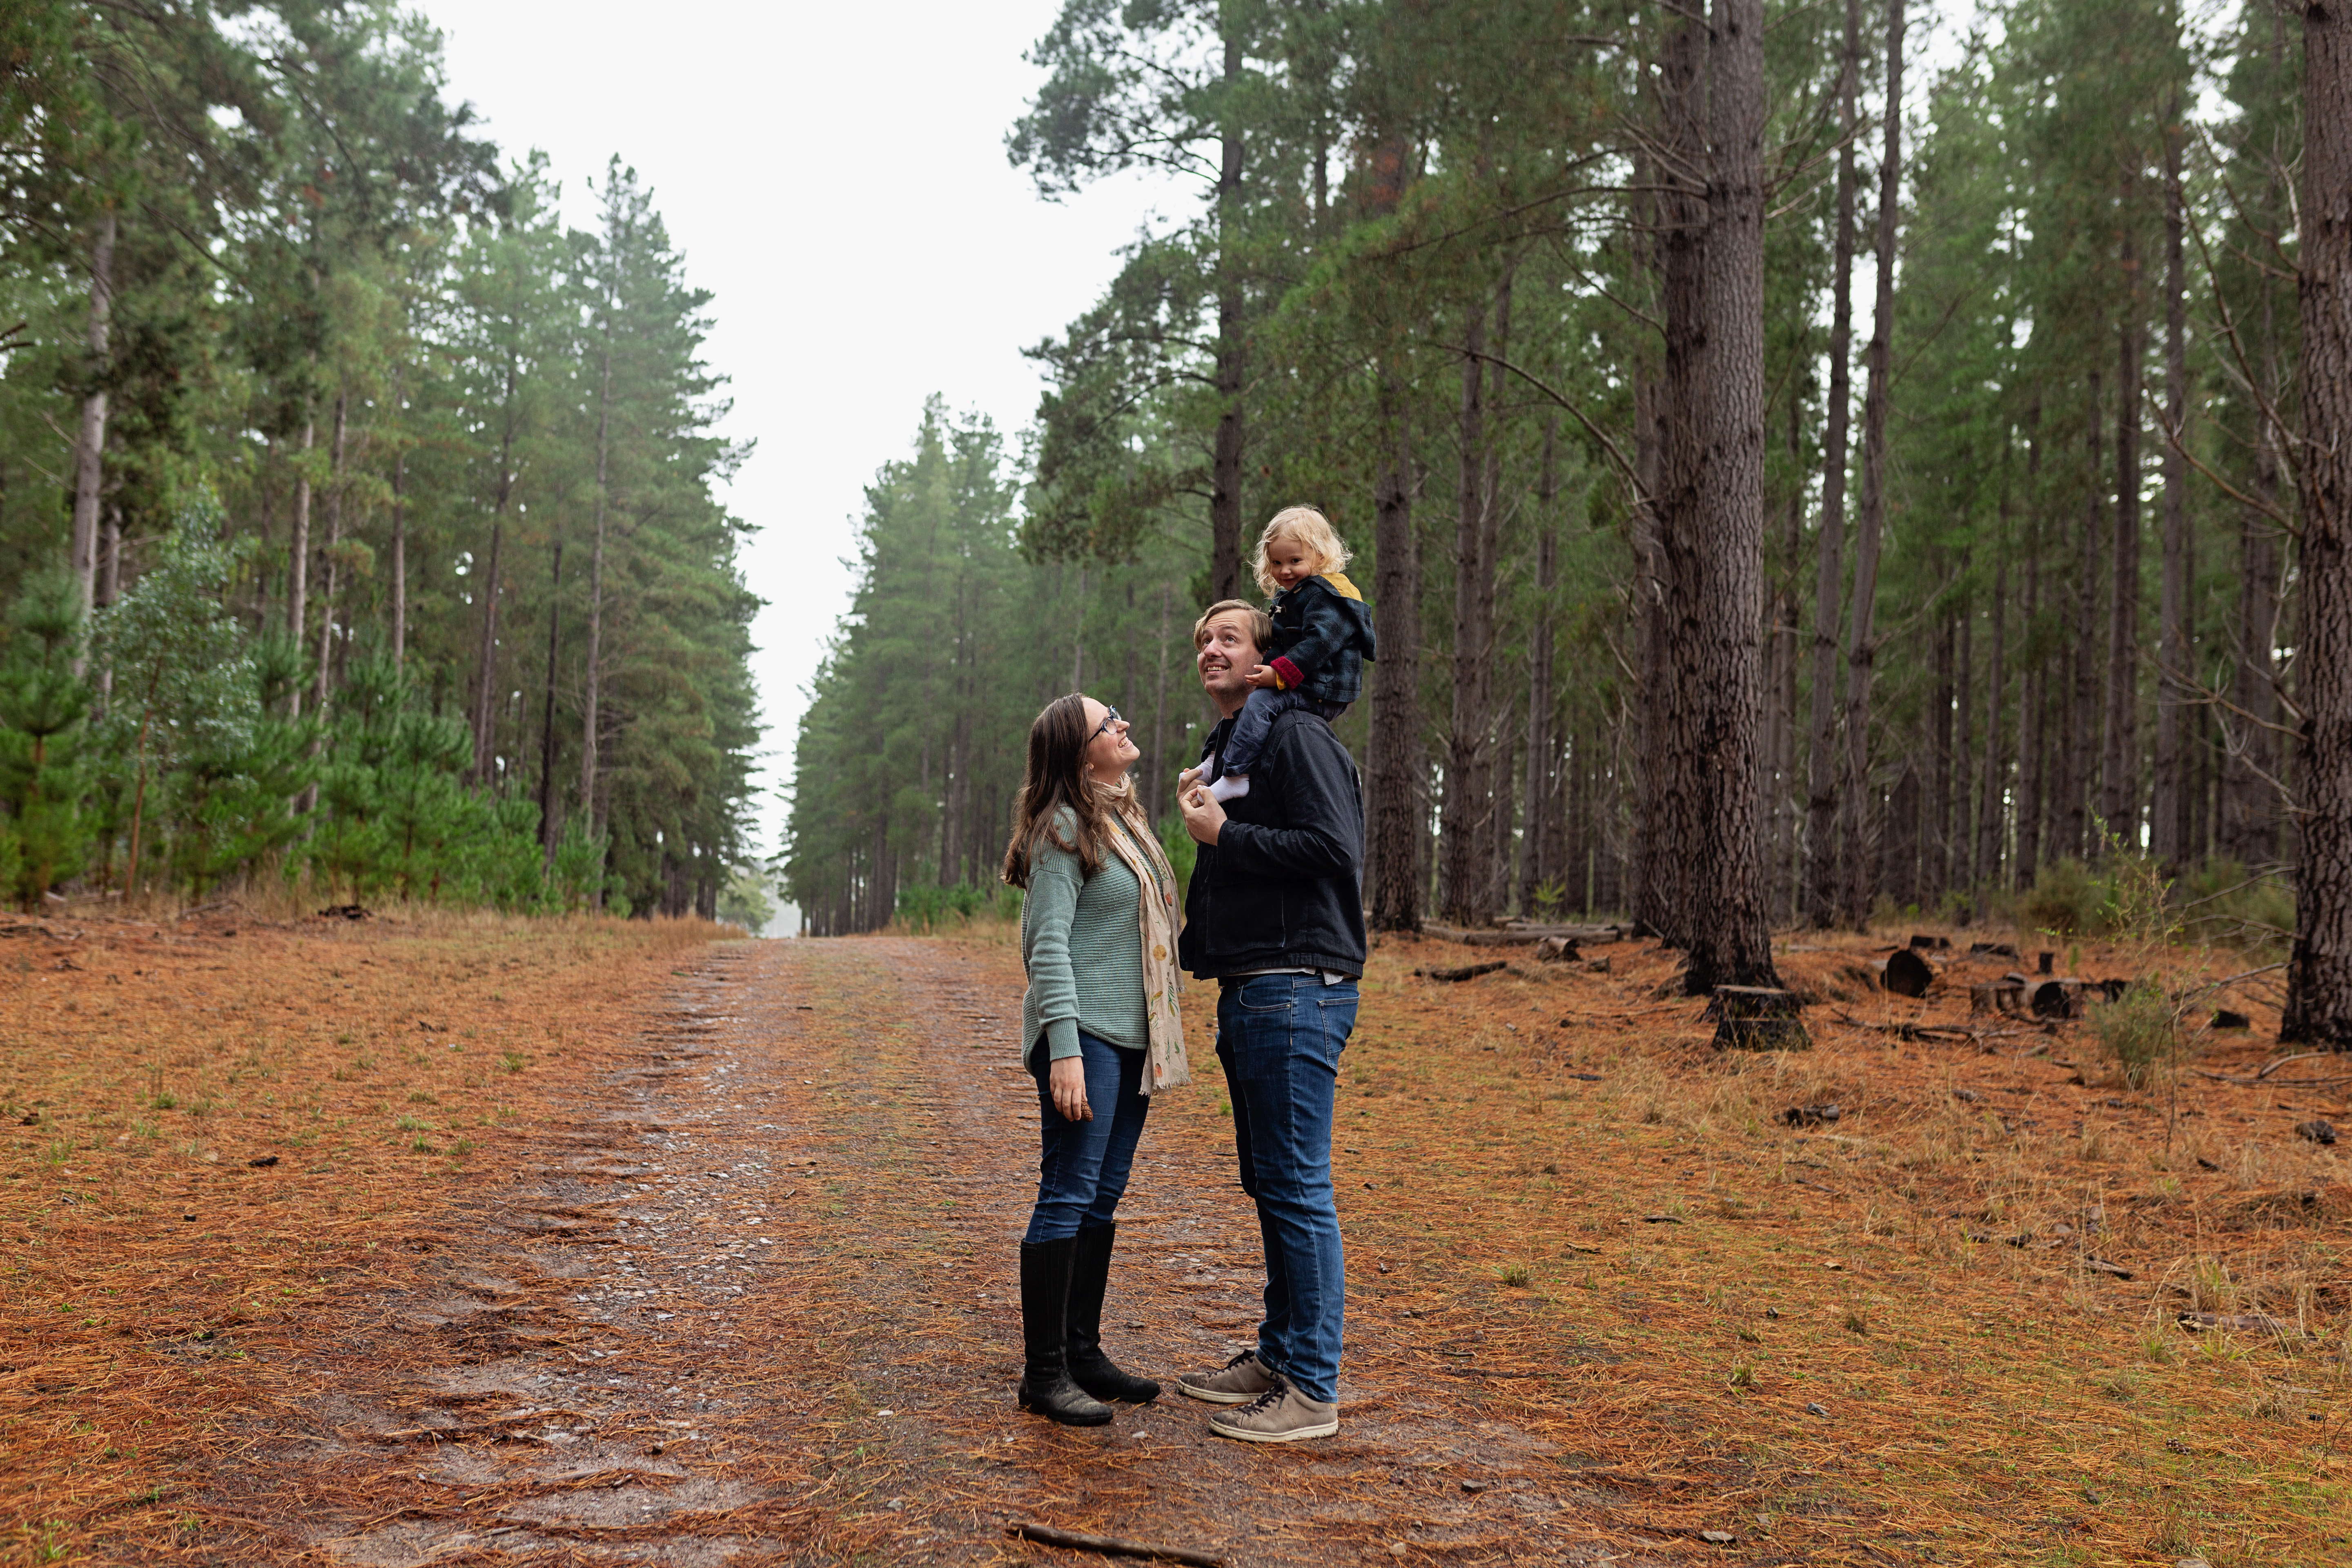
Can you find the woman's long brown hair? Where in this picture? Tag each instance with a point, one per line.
(1055, 776)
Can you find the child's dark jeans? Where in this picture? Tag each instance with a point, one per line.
(1256, 717)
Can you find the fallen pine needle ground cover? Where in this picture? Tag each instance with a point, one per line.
(1610, 1300)
(224, 1125)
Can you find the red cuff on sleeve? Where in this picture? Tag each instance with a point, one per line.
(1287, 673)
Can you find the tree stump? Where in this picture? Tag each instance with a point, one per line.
(1758, 1018)
(2058, 999)
(2005, 995)
(1907, 974)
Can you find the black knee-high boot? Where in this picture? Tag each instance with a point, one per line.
(1046, 1385)
(1089, 1368)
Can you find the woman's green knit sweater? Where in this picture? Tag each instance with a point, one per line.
(1082, 944)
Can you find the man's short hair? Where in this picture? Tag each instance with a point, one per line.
(1261, 624)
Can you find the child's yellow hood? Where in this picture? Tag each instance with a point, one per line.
(1340, 586)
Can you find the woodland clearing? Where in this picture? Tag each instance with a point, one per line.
(607, 1242)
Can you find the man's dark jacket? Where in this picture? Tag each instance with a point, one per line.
(1318, 622)
(1282, 887)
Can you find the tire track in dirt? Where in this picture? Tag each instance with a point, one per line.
(757, 1301)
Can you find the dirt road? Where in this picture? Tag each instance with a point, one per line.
(757, 1303)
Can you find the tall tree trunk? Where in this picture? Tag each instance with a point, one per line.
(550, 824)
(1787, 632)
(1536, 867)
(1673, 802)
(328, 572)
(1862, 647)
(592, 684)
(2120, 797)
(2318, 1008)
(1984, 865)
(485, 669)
(1951, 662)
(298, 550)
(2083, 721)
(2250, 810)
(400, 560)
(1731, 923)
(2169, 832)
(89, 441)
(2033, 777)
(1465, 868)
(1393, 832)
(1225, 462)
(1829, 602)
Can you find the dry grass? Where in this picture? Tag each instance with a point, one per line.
(224, 1123)
(1700, 1273)
(1660, 1275)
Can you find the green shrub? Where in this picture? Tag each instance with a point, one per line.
(2067, 898)
(2221, 901)
(2136, 1032)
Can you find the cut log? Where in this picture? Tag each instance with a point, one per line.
(1557, 950)
(1524, 935)
(1921, 940)
(2005, 995)
(2058, 999)
(2045, 963)
(1907, 974)
(2223, 1018)
(1758, 1018)
(1992, 948)
(1111, 1545)
(1468, 971)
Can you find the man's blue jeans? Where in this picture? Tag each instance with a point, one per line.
(1279, 1038)
(1081, 1166)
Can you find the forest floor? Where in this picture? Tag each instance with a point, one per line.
(449, 1241)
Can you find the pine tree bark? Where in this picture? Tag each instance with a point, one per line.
(89, 440)
(400, 560)
(1731, 923)
(1672, 792)
(1829, 602)
(485, 668)
(328, 566)
(2168, 835)
(1396, 807)
(1984, 867)
(298, 552)
(1862, 647)
(1465, 849)
(2249, 806)
(2318, 1009)
(2120, 786)
(1225, 461)
(592, 671)
(2032, 686)
(550, 824)
(1536, 865)
(2084, 722)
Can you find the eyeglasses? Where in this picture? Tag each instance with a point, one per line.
(1111, 717)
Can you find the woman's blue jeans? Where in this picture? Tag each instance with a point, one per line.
(1083, 1168)
(1279, 1038)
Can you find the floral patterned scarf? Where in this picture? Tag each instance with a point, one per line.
(1164, 1063)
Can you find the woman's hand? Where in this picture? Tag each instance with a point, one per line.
(1204, 815)
(1066, 1081)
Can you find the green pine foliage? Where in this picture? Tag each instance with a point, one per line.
(398, 571)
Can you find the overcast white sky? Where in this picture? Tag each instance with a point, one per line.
(836, 174)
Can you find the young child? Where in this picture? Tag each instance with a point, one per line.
(1322, 635)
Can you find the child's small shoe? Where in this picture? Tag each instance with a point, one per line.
(1232, 786)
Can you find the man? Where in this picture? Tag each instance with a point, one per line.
(1275, 915)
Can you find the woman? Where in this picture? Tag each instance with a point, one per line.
(1099, 1032)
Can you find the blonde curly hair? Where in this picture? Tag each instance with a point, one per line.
(1309, 527)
